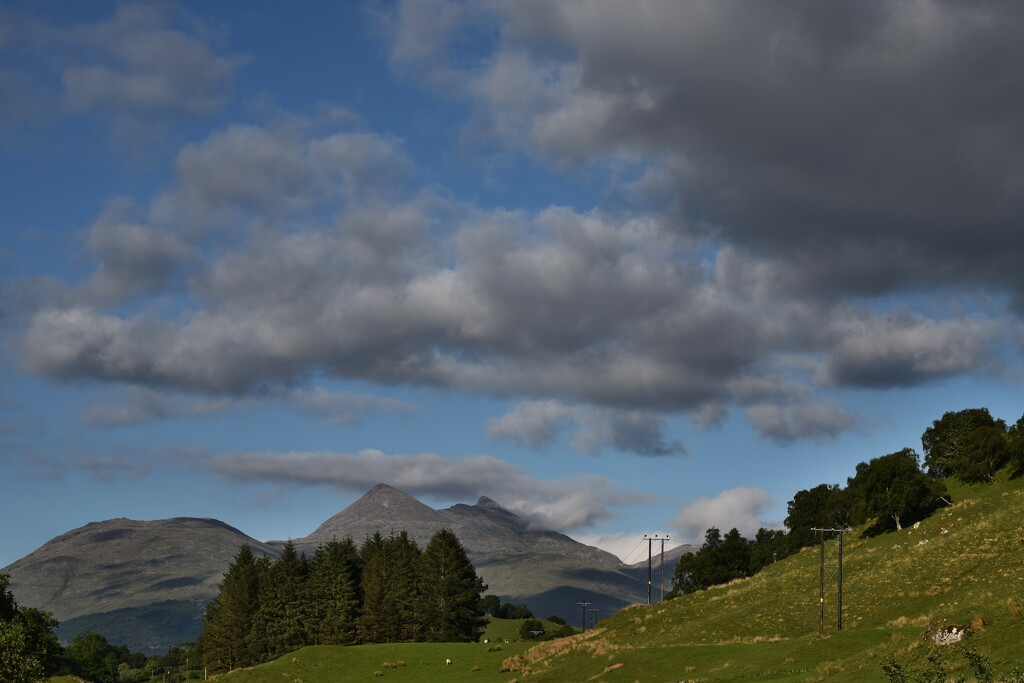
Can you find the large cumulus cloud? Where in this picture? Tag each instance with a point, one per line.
(295, 251)
(861, 148)
(799, 180)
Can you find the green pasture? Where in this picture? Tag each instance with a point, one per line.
(963, 566)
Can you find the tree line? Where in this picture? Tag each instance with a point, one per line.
(385, 590)
(885, 493)
(30, 650)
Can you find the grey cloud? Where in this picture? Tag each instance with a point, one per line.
(345, 408)
(907, 349)
(273, 173)
(614, 315)
(554, 504)
(709, 415)
(534, 424)
(111, 468)
(801, 419)
(865, 148)
(537, 424)
(133, 259)
(139, 405)
(632, 431)
(146, 66)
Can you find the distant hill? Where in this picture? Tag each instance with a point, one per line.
(146, 584)
(152, 579)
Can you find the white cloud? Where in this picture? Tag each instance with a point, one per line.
(740, 508)
(628, 547)
(550, 504)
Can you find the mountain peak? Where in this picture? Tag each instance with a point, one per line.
(383, 508)
(387, 496)
(486, 502)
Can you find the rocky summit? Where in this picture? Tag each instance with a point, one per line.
(145, 583)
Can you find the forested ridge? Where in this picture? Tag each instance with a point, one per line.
(385, 590)
(884, 493)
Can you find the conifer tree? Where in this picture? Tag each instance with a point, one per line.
(373, 589)
(284, 609)
(450, 591)
(229, 616)
(334, 597)
(390, 589)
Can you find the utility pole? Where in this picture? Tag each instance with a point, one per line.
(821, 585)
(839, 617)
(666, 538)
(821, 580)
(650, 553)
(583, 612)
(650, 539)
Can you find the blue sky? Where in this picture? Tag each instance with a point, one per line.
(624, 268)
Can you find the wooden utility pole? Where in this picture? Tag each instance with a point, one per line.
(650, 540)
(821, 580)
(583, 610)
(839, 616)
(663, 569)
(821, 585)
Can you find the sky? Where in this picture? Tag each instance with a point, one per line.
(625, 268)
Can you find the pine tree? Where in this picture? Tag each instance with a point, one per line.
(333, 581)
(390, 589)
(229, 616)
(373, 589)
(450, 591)
(405, 588)
(284, 608)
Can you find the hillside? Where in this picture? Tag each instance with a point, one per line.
(148, 580)
(146, 583)
(962, 566)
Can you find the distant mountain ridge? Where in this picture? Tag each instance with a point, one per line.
(146, 583)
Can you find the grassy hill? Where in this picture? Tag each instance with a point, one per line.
(963, 566)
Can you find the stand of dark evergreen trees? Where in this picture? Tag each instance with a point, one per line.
(887, 492)
(386, 590)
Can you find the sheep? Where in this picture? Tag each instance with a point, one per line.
(447, 662)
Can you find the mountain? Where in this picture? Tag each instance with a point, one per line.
(146, 583)
(545, 570)
(136, 573)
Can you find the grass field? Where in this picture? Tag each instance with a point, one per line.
(387, 662)
(963, 566)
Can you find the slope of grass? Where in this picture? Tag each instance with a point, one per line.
(963, 566)
(500, 630)
(385, 662)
